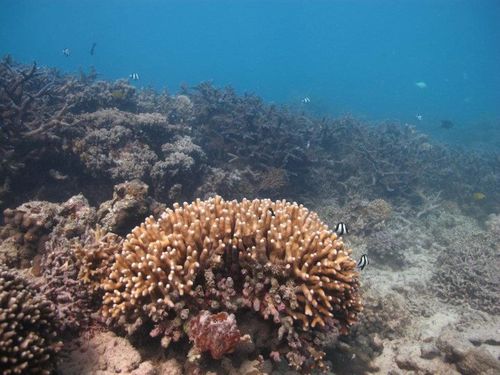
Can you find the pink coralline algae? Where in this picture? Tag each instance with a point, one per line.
(216, 333)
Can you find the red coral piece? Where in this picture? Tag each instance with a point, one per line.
(217, 333)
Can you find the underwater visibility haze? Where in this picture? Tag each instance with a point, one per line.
(249, 187)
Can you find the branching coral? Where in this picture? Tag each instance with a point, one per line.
(276, 258)
(28, 343)
(467, 271)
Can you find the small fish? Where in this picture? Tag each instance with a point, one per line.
(362, 262)
(56, 175)
(66, 52)
(306, 100)
(419, 117)
(134, 77)
(341, 229)
(421, 84)
(92, 49)
(308, 145)
(478, 196)
(271, 211)
(447, 124)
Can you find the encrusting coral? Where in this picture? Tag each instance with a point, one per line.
(28, 339)
(276, 258)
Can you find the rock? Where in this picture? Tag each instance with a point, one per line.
(478, 361)
(170, 367)
(106, 354)
(451, 345)
(145, 368)
(429, 351)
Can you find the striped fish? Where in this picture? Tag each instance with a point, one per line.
(134, 77)
(341, 229)
(363, 262)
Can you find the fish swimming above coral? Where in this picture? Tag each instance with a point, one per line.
(447, 124)
(421, 85)
(341, 229)
(478, 196)
(363, 262)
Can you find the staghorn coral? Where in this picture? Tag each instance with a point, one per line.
(28, 339)
(276, 258)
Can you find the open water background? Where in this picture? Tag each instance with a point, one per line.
(359, 57)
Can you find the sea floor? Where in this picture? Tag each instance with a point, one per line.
(420, 333)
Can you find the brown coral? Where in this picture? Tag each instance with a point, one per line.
(216, 333)
(96, 254)
(27, 329)
(160, 260)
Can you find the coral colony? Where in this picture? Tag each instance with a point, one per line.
(97, 252)
(209, 256)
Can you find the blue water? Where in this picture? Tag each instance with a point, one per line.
(349, 57)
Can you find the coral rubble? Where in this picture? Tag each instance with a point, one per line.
(276, 258)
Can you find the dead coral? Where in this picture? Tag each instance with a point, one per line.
(28, 338)
(60, 284)
(386, 248)
(129, 205)
(467, 271)
(58, 266)
(182, 160)
(272, 181)
(28, 226)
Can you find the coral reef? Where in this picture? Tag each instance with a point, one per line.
(182, 161)
(129, 205)
(467, 271)
(28, 227)
(493, 225)
(225, 255)
(386, 248)
(28, 338)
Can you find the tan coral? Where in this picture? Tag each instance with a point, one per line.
(161, 259)
(96, 254)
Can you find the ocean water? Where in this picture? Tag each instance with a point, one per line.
(361, 58)
(343, 163)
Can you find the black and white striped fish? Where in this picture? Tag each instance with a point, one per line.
(134, 77)
(362, 262)
(341, 229)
